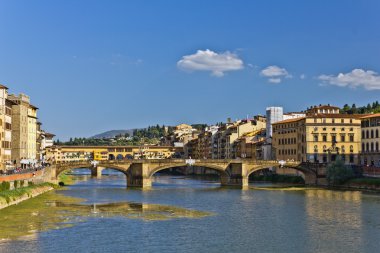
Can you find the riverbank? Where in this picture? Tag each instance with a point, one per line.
(15, 196)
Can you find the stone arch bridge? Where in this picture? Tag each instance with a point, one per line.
(232, 172)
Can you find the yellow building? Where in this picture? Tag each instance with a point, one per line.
(24, 129)
(5, 129)
(319, 137)
(101, 153)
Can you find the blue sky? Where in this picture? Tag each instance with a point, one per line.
(92, 66)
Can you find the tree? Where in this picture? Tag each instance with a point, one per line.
(338, 173)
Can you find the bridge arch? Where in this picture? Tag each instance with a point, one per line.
(222, 171)
(59, 171)
(94, 170)
(309, 175)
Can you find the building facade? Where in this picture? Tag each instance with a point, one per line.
(273, 115)
(5, 129)
(24, 129)
(320, 137)
(370, 153)
(103, 153)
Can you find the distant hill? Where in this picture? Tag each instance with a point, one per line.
(112, 134)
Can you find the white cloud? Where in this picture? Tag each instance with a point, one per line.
(369, 79)
(207, 60)
(274, 80)
(275, 74)
(302, 76)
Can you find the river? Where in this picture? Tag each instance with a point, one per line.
(186, 214)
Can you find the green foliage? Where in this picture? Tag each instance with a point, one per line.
(370, 108)
(4, 186)
(11, 195)
(338, 173)
(365, 181)
(199, 127)
(276, 178)
(150, 135)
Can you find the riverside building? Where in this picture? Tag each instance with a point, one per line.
(5, 129)
(320, 137)
(24, 130)
(370, 153)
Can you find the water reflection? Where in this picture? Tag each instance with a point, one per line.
(55, 211)
(334, 216)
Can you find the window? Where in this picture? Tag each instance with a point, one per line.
(367, 134)
(363, 147)
(316, 137)
(351, 121)
(372, 135)
(343, 150)
(324, 138)
(363, 134)
(377, 146)
(342, 138)
(372, 147)
(343, 129)
(324, 148)
(333, 129)
(352, 138)
(377, 133)
(315, 149)
(8, 126)
(351, 149)
(367, 147)
(324, 129)
(333, 138)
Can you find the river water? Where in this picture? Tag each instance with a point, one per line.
(185, 214)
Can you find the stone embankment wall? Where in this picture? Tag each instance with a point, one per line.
(36, 177)
(31, 194)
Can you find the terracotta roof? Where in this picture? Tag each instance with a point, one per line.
(324, 107)
(289, 120)
(368, 116)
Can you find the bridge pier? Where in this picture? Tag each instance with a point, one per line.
(237, 176)
(138, 176)
(97, 171)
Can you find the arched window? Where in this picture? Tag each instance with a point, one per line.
(315, 149)
(372, 147)
(363, 134)
(367, 134)
(367, 147)
(377, 146)
(377, 133)
(372, 135)
(342, 149)
(351, 149)
(363, 147)
(324, 148)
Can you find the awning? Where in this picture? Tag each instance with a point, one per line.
(24, 161)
